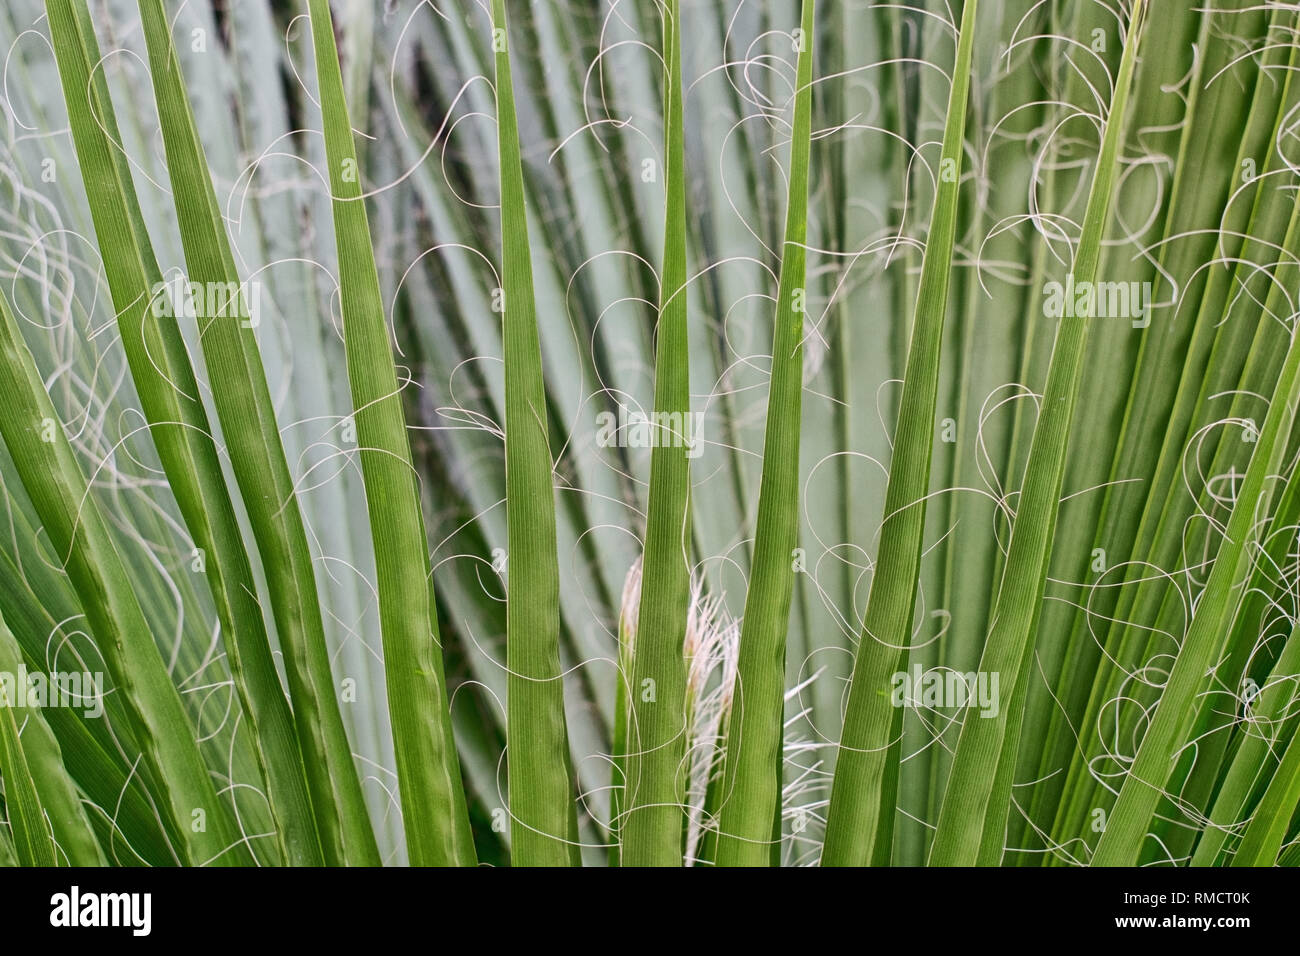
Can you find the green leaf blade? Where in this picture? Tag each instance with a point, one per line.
(754, 760)
(859, 827)
(975, 806)
(656, 732)
(79, 532)
(543, 821)
(165, 381)
(434, 814)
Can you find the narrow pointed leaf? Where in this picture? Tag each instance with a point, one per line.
(169, 396)
(654, 790)
(976, 802)
(860, 820)
(1122, 841)
(434, 815)
(541, 787)
(754, 760)
(80, 534)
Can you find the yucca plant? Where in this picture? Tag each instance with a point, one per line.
(689, 432)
